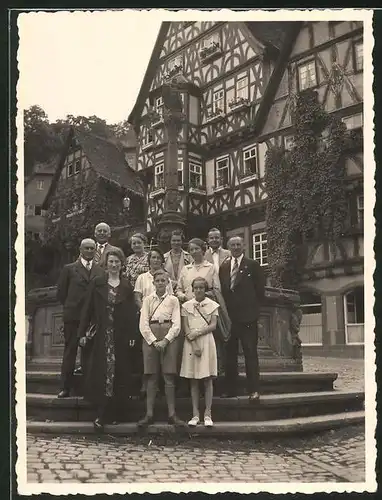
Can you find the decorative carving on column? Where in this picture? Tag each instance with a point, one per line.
(173, 118)
(294, 328)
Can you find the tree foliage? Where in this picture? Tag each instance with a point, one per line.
(306, 189)
(43, 140)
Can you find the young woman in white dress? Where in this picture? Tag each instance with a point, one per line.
(199, 359)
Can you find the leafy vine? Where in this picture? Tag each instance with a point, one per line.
(306, 189)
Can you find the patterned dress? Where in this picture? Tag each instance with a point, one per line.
(135, 266)
(110, 341)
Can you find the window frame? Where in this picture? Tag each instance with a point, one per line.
(70, 167)
(181, 169)
(346, 312)
(214, 101)
(248, 149)
(260, 243)
(306, 63)
(356, 44)
(360, 209)
(156, 173)
(217, 170)
(40, 182)
(77, 161)
(246, 87)
(192, 167)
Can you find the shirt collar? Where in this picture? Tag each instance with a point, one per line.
(239, 259)
(101, 245)
(215, 251)
(85, 262)
(162, 297)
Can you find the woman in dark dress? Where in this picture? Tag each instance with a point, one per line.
(111, 310)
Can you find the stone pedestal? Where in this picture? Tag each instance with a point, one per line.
(279, 344)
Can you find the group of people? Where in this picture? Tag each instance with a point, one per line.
(173, 314)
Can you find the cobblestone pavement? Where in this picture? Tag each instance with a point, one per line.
(333, 456)
(350, 371)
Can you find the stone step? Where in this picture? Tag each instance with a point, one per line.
(270, 407)
(48, 382)
(268, 362)
(231, 430)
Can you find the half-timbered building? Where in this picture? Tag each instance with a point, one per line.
(239, 82)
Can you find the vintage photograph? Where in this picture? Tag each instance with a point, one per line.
(195, 258)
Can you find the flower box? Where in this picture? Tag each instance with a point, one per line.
(156, 120)
(197, 190)
(156, 192)
(222, 187)
(237, 104)
(248, 177)
(215, 116)
(208, 53)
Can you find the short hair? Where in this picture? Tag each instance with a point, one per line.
(236, 236)
(87, 240)
(177, 232)
(117, 252)
(158, 251)
(201, 280)
(200, 243)
(158, 272)
(140, 236)
(214, 230)
(102, 224)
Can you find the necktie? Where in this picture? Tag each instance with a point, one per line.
(88, 267)
(234, 272)
(97, 256)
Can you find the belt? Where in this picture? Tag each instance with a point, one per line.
(156, 321)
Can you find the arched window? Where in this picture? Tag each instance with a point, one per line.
(354, 309)
(311, 323)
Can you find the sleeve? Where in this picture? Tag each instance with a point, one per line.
(259, 281)
(63, 285)
(215, 280)
(139, 285)
(175, 327)
(180, 287)
(183, 311)
(87, 311)
(144, 326)
(170, 289)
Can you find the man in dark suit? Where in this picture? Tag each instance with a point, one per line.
(243, 288)
(102, 235)
(72, 287)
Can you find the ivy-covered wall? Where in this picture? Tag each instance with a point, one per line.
(306, 189)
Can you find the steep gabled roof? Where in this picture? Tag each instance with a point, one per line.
(46, 168)
(269, 32)
(104, 156)
(272, 34)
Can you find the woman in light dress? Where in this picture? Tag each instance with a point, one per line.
(199, 358)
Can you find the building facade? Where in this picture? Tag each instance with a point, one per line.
(239, 83)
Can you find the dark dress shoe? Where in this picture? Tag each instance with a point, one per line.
(98, 425)
(254, 397)
(174, 420)
(65, 393)
(78, 371)
(145, 422)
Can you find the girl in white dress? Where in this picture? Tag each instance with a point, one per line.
(199, 360)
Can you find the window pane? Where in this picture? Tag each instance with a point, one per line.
(307, 75)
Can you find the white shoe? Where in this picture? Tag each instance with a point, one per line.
(208, 422)
(194, 422)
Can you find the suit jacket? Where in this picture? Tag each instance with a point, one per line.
(223, 255)
(102, 261)
(185, 259)
(244, 301)
(72, 287)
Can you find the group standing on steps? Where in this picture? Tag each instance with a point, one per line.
(180, 314)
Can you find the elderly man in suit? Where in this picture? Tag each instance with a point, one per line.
(72, 287)
(243, 288)
(102, 235)
(215, 253)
